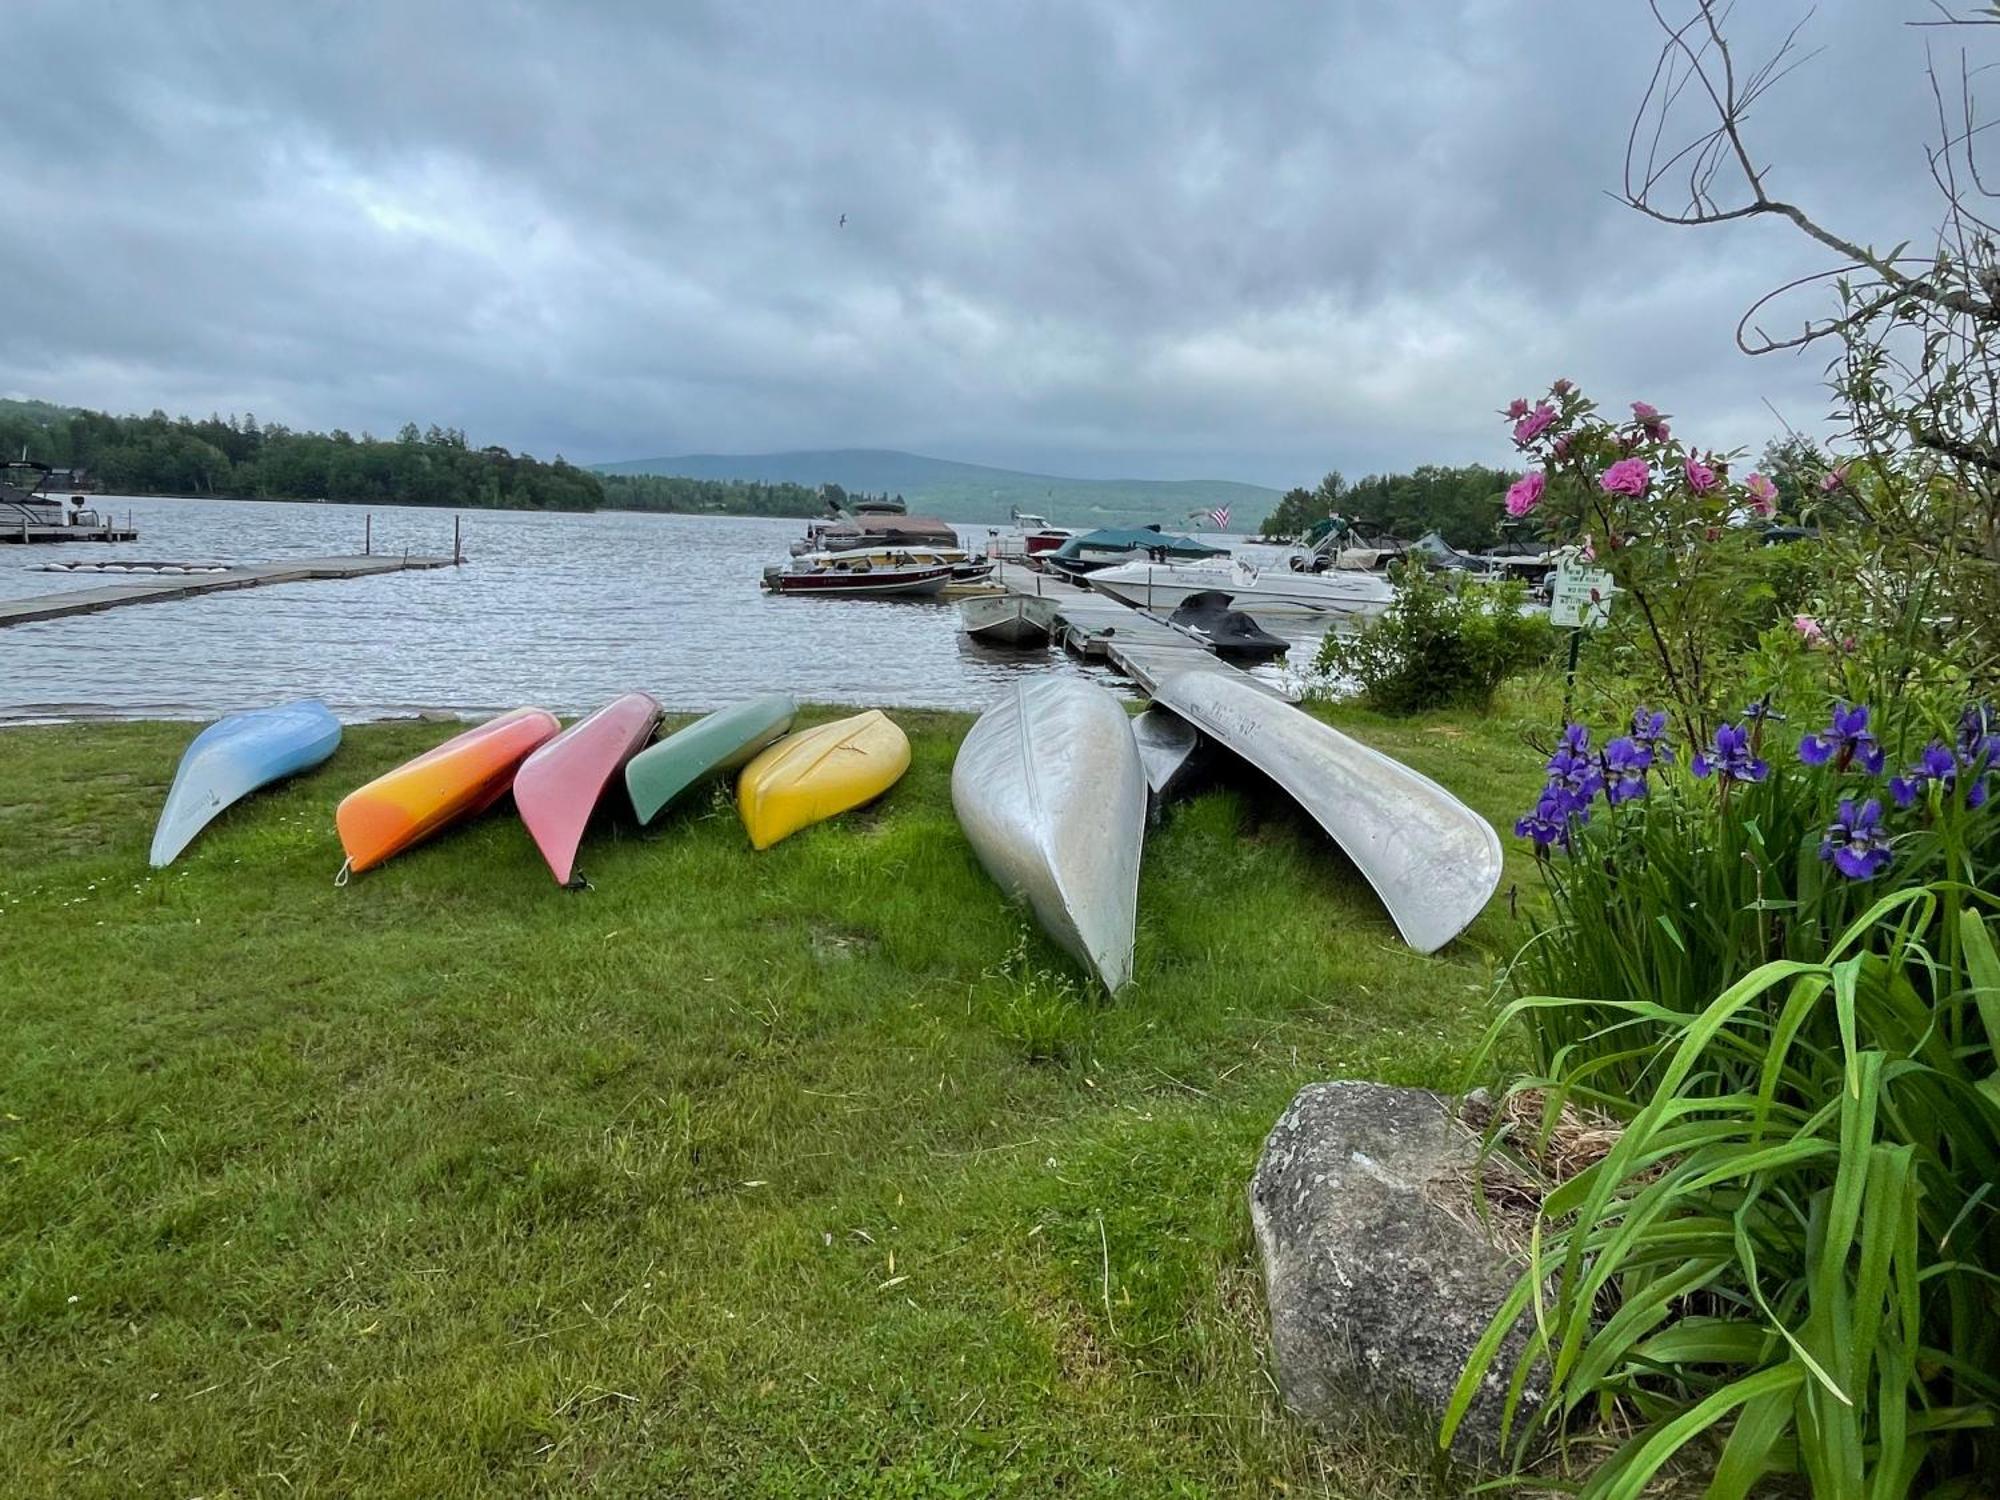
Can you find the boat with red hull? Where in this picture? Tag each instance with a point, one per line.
(886, 572)
(558, 787)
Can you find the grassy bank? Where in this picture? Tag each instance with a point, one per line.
(793, 1173)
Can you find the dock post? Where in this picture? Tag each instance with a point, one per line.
(457, 554)
(368, 535)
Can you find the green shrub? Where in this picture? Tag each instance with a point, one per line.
(1437, 646)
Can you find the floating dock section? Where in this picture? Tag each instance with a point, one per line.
(160, 589)
(1140, 644)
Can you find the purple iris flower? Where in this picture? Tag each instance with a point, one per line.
(1938, 764)
(1573, 769)
(1846, 741)
(1550, 822)
(1978, 743)
(1855, 842)
(1649, 733)
(1762, 710)
(1730, 757)
(1626, 763)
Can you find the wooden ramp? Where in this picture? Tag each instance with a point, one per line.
(158, 589)
(1138, 643)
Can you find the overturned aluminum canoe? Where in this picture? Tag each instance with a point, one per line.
(1433, 860)
(1170, 749)
(1050, 792)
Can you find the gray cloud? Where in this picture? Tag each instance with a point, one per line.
(1103, 237)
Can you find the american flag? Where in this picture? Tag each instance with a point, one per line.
(1219, 518)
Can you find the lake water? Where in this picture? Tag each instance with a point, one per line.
(561, 610)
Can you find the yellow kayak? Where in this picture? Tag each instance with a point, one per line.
(818, 773)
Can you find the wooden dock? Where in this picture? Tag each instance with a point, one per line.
(158, 589)
(1138, 643)
(27, 533)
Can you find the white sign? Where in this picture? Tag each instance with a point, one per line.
(1580, 597)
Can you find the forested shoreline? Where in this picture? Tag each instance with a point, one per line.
(239, 458)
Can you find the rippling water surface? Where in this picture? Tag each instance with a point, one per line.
(565, 611)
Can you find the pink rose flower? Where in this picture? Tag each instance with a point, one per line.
(1564, 386)
(1763, 495)
(1525, 493)
(1589, 549)
(1629, 476)
(1700, 477)
(1559, 449)
(1647, 416)
(1835, 478)
(1534, 424)
(1808, 627)
(1517, 408)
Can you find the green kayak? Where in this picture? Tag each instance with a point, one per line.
(714, 743)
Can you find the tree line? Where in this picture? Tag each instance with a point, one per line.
(240, 458)
(1462, 503)
(726, 497)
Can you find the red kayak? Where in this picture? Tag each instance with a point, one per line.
(557, 787)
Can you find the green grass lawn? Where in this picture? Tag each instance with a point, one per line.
(798, 1173)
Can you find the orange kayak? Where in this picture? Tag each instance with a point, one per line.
(463, 777)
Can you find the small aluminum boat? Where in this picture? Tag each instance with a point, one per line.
(1008, 619)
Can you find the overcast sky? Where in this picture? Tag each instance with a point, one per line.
(1093, 237)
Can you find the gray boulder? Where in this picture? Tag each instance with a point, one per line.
(1380, 1273)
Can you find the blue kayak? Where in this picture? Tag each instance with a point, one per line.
(232, 758)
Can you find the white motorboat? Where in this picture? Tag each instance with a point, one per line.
(1269, 591)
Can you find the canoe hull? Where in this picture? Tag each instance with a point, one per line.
(1049, 789)
(1170, 749)
(458, 779)
(232, 758)
(559, 786)
(1434, 861)
(818, 773)
(713, 744)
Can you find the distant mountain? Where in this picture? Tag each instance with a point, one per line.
(975, 492)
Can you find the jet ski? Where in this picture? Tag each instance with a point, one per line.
(1228, 632)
